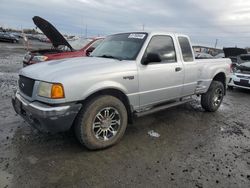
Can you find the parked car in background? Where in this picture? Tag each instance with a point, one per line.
(61, 47)
(241, 73)
(234, 54)
(6, 37)
(240, 68)
(129, 75)
(199, 55)
(17, 35)
(220, 55)
(43, 39)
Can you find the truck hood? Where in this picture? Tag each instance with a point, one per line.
(233, 52)
(55, 71)
(51, 32)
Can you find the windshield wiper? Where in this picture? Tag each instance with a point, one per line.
(110, 56)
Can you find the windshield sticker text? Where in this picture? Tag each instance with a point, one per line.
(136, 36)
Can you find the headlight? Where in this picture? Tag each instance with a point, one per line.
(39, 58)
(51, 90)
(237, 70)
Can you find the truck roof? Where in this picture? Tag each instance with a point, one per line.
(165, 33)
(155, 33)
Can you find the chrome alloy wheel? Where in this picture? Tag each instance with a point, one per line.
(106, 123)
(218, 96)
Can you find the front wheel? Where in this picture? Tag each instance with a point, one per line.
(212, 99)
(101, 123)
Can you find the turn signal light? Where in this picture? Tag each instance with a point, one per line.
(57, 91)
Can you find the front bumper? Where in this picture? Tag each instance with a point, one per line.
(44, 117)
(240, 81)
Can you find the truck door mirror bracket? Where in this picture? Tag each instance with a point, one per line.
(151, 57)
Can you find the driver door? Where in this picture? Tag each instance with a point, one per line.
(160, 81)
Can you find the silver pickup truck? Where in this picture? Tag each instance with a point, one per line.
(129, 75)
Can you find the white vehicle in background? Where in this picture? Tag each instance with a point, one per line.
(241, 73)
(200, 55)
(240, 67)
(220, 55)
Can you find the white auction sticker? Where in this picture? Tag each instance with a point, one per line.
(136, 36)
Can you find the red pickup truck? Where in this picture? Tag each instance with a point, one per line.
(61, 47)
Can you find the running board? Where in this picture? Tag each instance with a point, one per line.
(163, 107)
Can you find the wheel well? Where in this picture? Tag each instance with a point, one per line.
(221, 77)
(115, 93)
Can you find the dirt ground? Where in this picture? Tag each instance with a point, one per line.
(195, 148)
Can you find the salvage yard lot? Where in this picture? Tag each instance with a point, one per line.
(195, 148)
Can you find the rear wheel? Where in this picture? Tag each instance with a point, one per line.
(101, 123)
(213, 98)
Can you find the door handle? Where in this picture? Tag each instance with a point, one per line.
(177, 69)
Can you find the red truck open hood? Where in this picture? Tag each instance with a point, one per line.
(51, 32)
(233, 52)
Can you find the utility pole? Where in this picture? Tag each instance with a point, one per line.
(143, 27)
(216, 42)
(81, 26)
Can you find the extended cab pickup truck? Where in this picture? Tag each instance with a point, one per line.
(128, 75)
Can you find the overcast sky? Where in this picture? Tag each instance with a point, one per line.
(204, 21)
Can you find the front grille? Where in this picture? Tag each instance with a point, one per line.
(244, 83)
(26, 85)
(243, 76)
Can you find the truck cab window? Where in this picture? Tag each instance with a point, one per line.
(164, 47)
(186, 49)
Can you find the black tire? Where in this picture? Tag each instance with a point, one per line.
(87, 135)
(212, 99)
(230, 87)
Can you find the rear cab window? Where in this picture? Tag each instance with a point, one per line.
(187, 52)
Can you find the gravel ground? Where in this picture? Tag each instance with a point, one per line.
(195, 148)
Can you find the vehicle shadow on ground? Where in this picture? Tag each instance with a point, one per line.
(240, 90)
(28, 135)
(192, 111)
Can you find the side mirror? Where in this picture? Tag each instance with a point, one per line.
(88, 52)
(151, 57)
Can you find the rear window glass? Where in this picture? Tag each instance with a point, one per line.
(186, 49)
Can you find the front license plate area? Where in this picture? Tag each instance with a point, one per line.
(245, 83)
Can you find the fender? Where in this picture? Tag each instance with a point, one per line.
(104, 85)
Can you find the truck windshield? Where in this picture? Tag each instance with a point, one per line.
(125, 46)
